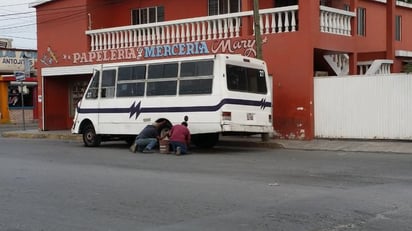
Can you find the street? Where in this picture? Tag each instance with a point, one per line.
(48, 185)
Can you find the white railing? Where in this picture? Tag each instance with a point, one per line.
(339, 63)
(375, 67)
(272, 21)
(398, 3)
(335, 21)
(278, 20)
(275, 20)
(178, 31)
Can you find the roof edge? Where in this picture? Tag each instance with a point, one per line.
(39, 2)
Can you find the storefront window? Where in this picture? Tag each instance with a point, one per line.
(77, 90)
(15, 97)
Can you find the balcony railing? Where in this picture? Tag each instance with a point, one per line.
(335, 21)
(275, 20)
(272, 21)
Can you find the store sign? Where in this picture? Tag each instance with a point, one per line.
(181, 49)
(12, 60)
(106, 55)
(20, 75)
(236, 46)
(241, 46)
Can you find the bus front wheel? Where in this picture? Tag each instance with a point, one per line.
(207, 140)
(90, 138)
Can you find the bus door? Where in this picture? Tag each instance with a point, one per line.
(107, 114)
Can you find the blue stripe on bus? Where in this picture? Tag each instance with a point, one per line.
(136, 109)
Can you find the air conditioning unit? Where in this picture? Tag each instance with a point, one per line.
(6, 43)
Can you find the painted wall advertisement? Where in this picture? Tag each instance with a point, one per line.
(245, 47)
(13, 60)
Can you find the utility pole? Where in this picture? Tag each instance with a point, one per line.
(258, 36)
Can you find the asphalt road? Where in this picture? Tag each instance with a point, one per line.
(61, 185)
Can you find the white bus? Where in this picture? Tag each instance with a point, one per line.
(219, 94)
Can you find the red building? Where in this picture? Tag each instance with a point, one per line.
(300, 39)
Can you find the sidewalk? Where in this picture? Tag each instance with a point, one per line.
(346, 145)
(385, 146)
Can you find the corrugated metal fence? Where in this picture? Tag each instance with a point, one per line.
(364, 107)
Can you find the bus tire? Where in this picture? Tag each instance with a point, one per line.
(130, 140)
(207, 140)
(265, 137)
(90, 138)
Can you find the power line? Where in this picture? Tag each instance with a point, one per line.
(18, 37)
(73, 14)
(17, 4)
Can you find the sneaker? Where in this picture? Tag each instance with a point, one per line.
(148, 150)
(133, 148)
(178, 151)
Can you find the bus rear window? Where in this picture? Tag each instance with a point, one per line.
(245, 79)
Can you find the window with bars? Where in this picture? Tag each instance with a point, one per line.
(282, 3)
(223, 6)
(398, 28)
(325, 3)
(147, 15)
(361, 21)
(346, 7)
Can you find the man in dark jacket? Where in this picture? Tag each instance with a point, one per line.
(147, 138)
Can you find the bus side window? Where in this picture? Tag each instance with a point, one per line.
(108, 83)
(130, 81)
(94, 86)
(162, 79)
(196, 77)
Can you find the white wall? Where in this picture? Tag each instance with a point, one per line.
(366, 107)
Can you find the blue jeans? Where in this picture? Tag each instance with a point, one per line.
(175, 144)
(146, 143)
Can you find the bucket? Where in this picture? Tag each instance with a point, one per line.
(164, 146)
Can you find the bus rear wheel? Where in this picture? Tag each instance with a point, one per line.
(207, 140)
(90, 138)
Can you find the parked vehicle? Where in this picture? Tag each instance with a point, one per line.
(217, 94)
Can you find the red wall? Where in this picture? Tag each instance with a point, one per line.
(406, 42)
(375, 39)
(118, 13)
(56, 102)
(293, 90)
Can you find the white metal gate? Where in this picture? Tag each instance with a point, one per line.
(363, 107)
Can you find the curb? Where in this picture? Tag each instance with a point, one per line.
(39, 135)
(249, 144)
(58, 136)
